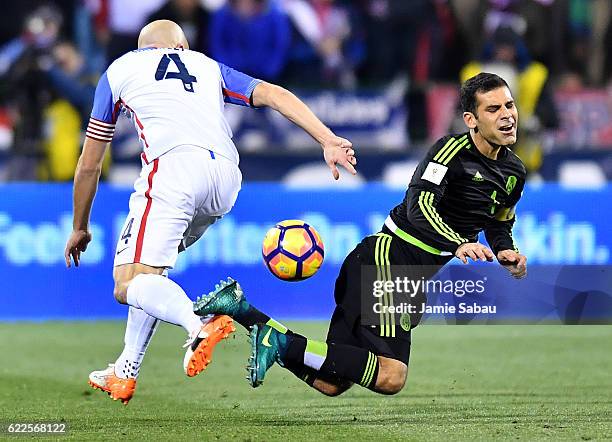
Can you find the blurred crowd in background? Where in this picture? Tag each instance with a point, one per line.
(409, 55)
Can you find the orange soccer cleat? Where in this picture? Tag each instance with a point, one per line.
(117, 388)
(200, 347)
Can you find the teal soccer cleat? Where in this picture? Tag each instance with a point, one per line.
(266, 345)
(226, 299)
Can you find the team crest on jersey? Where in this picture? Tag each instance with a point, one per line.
(405, 321)
(510, 184)
(434, 172)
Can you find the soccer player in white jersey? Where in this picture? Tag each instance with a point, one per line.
(189, 179)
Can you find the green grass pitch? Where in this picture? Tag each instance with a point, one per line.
(465, 382)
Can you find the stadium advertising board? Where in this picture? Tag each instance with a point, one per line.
(563, 233)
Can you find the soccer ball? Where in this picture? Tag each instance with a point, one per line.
(292, 250)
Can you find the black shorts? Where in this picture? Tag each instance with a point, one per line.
(355, 321)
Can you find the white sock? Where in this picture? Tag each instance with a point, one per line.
(139, 330)
(163, 299)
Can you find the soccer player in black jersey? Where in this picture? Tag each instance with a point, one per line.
(466, 184)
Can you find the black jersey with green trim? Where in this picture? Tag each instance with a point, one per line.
(456, 192)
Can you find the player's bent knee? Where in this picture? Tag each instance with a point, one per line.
(331, 389)
(120, 292)
(124, 274)
(391, 376)
(394, 384)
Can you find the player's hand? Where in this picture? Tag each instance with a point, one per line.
(340, 151)
(514, 262)
(76, 244)
(474, 250)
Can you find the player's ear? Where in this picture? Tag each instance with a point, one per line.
(470, 120)
(183, 43)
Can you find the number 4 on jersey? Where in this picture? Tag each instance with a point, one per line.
(182, 74)
(127, 232)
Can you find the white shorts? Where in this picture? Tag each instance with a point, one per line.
(176, 198)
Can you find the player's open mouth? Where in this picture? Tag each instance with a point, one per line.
(508, 129)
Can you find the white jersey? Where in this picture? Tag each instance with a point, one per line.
(175, 97)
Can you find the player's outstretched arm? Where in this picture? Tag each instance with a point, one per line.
(86, 179)
(336, 150)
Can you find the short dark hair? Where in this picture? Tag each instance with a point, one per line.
(481, 83)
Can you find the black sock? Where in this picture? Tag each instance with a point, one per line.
(303, 373)
(355, 364)
(248, 316)
(333, 360)
(294, 362)
(294, 355)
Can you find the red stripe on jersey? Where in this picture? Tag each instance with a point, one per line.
(101, 123)
(145, 215)
(135, 116)
(100, 132)
(116, 110)
(107, 140)
(95, 130)
(236, 95)
(139, 123)
(144, 139)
